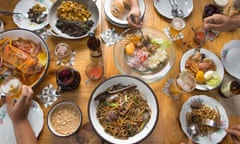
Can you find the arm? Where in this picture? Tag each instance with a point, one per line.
(222, 22)
(134, 14)
(18, 112)
(235, 133)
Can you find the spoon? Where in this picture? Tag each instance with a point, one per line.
(212, 123)
(174, 14)
(103, 95)
(178, 11)
(192, 130)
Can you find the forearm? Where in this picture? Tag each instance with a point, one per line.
(24, 133)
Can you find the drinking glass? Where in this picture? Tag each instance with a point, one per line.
(183, 82)
(12, 87)
(177, 25)
(94, 70)
(67, 79)
(63, 52)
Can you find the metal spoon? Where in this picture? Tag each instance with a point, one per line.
(178, 11)
(174, 14)
(192, 130)
(103, 95)
(4, 12)
(212, 123)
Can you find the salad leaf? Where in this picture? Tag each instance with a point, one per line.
(161, 42)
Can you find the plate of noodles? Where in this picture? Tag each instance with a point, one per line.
(200, 107)
(125, 117)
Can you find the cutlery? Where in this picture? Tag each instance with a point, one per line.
(144, 41)
(103, 95)
(178, 11)
(174, 14)
(4, 12)
(192, 130)
(212, 123)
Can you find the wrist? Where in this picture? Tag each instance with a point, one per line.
(19, 122)
(235, 22)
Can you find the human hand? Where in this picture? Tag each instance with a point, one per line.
(189, 141)
(235, 133)
(219, 22)
(134, 20)
(19, 111)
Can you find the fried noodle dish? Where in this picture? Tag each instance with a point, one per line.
(22, 58)
(201, 112)
(124, 114)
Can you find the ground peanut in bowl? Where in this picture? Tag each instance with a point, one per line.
(65, 119)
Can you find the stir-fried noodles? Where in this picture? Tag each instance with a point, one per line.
(124, 114)
(201, 112)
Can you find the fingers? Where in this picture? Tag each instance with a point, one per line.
(235, 132)
(27, 94)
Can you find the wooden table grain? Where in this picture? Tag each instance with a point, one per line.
(168, 129)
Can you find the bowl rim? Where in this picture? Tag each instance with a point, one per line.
(45, 47)
(143, 77)
(124, 76)
(53, 108)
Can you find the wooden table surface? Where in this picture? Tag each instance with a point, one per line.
(168, 129)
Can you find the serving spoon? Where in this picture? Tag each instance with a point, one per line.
(103, 95)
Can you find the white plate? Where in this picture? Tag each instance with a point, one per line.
(118, 22)
(230, 58)
(164, 8)
(35, 117)
(215, 137)
(209, 54)
(23, 6)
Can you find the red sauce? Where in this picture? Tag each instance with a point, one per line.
(95, 72)
(199, 36)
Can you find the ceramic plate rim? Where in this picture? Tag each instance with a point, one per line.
(18, 8)
(119, 22)
(126, 79)
(228, 46)
(168, 7)
(209, 99)
(210, 54)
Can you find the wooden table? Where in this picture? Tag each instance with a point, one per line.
(168, 130)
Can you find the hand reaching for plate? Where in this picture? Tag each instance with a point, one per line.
(235, 133)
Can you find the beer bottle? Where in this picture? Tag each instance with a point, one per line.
(94, 45)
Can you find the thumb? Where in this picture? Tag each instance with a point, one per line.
(9, 102)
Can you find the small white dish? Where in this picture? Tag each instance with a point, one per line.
(164, 8)
(216, 136)
(209, 54)
(22, 20)
(67, 115)
(230, 58)
(35, 117)
(116, 21)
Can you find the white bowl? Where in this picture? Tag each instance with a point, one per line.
(123, 23)
(64, 104)
(27, 34)
(147, 94)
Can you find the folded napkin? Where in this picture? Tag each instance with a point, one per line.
(231, 105)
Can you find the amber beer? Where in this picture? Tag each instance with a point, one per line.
(12, 87)
(177, 25)
(63, 52)
(184, 82)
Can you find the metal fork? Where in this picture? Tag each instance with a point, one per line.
(212, 123)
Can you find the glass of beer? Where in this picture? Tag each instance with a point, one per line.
(12, 87)
(63, 52)
(177, 25)
(183, 82)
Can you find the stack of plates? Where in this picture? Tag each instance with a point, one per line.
(122, 23)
